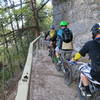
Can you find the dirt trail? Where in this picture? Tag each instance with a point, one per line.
(47, 83)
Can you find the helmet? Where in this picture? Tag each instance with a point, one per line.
(52, 27)
(64, 23)
(95, 29)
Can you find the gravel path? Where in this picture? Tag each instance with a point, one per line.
(47, 83)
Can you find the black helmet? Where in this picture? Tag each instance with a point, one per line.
(95, 29)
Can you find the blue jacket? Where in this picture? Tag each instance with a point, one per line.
(59, 38)
(59, 32)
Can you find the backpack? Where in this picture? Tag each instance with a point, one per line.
(67, 35)
(52, 34)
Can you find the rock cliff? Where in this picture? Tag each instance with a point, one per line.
(81, 14)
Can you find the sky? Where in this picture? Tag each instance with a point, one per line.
(18, 2)
(49, 3)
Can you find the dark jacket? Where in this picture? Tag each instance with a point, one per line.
(92, 48)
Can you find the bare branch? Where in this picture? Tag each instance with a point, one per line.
(43, 5)
(19, 30)
(13, 6)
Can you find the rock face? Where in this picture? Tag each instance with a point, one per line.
(81, 14)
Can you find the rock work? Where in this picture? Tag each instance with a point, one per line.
(81, 14)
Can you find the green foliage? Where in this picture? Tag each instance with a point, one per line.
(45, 17)
(13, 51)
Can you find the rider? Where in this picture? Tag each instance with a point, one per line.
(52, 36)
(92, 48)
(64, 38)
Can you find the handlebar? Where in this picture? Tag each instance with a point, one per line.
(80, 63)
(75, 62)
